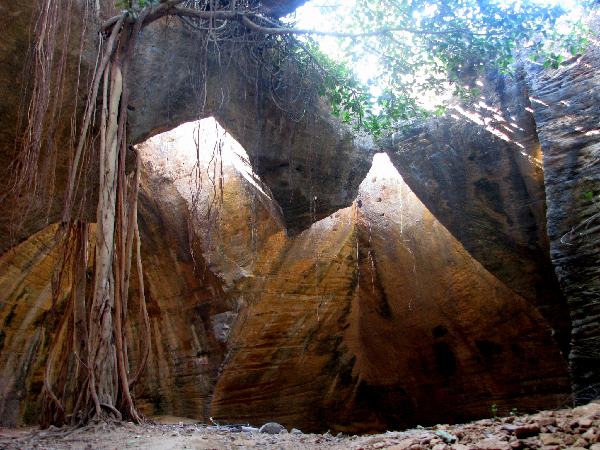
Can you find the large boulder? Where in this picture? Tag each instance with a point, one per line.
(478, 169)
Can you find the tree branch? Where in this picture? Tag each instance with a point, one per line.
(170, 8)
(380, 32)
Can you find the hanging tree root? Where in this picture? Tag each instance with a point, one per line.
(88, 381)
(100, 352)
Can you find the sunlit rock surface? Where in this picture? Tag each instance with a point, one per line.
(411, 331)
(27, 325)
(350, 325)
(478, 169)
(182, 297)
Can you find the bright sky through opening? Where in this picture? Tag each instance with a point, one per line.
(320, 14)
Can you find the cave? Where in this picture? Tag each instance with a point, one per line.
(299, 274)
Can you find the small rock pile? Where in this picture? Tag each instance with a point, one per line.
(576, 429)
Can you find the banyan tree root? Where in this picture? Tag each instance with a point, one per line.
(88, 379)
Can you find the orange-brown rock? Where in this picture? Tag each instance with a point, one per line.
(373, 318)
(376, 317)
(413, 331)
(478, 169)
(181, 294)
(27, 324)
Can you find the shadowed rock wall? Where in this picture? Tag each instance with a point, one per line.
(567, 114)
(23, 215)
(292, 152)
(182, 296)
(479, 171)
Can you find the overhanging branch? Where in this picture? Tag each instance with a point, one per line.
(380, 32)
(249, 20)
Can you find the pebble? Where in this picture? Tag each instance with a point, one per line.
(440, 446)
(526, 431)
(575, 429)
(545, 421)
(404, 445)
(492, 444)
(551, 439)
(272, 428)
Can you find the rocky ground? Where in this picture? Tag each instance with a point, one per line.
(577, 429)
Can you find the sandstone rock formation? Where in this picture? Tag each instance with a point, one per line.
(479, 171)
(292, 156)
(182, 296)
(323, 337)
(17, 20)
(412, 330)
(567, 114)
(293, 290)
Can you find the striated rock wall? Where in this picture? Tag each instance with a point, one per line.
(411, 331)
(478, 169)
(182, 296)
(350, 325)
(567, 114)
(27, 324)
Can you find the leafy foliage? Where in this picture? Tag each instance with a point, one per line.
(420, 48)
(414, 49)
(131, 6)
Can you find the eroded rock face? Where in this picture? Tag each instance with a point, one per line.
(412, 330)
(170, 85)
(310, 324)
(478, 169)
(24, 339)
(293, 153)
(567, 113)
(182, 296)
(350, 325)
(26, 212)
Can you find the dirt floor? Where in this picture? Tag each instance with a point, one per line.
(577, 429)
